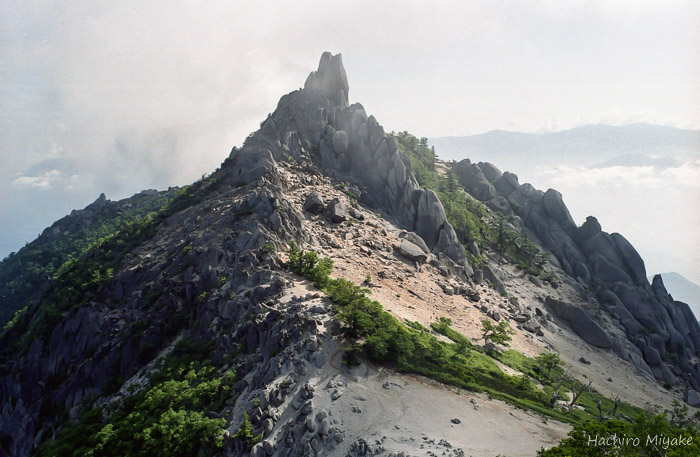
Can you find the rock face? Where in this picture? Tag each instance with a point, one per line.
(348, 144)
(581, 323)
(600, 261)
(208, 269)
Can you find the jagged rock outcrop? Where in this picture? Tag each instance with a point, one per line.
(605, 263)
(207, 268)
(348, 144)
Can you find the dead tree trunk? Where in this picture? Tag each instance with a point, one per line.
(578, 393)
(602, 417)
(555, 395)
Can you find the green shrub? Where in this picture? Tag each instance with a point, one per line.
(245, 432)
(647, 436)
(169, 418)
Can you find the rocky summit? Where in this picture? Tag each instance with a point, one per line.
(333, 289)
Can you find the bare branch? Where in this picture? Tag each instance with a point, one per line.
(555, 395)
(577, 394)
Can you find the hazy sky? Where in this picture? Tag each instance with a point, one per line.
(115, 97)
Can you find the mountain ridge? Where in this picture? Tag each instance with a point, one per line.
(212, 266)
(598, 142)
(635, 127)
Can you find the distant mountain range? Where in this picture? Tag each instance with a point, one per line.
(589, 145)
(683, 289)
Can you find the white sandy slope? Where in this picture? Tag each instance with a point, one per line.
(412, 414)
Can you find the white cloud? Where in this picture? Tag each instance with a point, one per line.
(130, 95)
(688, 174)
(45, 181)
(618, 177)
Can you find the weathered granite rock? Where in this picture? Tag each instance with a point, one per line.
(314, 203)
(632, 259)
(556, 209)
(490, 275)
(330, 79)
(651, 355)
(589, 228)
(693, 398)
(412, 251)
(580, 322)
(429, 216)
(337, 210)
(340, 141)
(415, 239)
(475, 181)
(249, 165)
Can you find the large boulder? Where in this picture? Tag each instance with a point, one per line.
(491, 171)
(580, 322)
(340, 141)
(247, 165)
(337, 211)
(693, 398)
(314, 203)
(415, 239)
(412, 251)
(651, 355)
(430, 216)
(475, 181)
(589, 228)
(631, 258)
(641, 365)
(490, 275)
(506, 184)
(556, 209)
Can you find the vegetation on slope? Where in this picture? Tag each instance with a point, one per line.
(80, 278)
(468, 217)
(169, 417)
(543, 386)
(24, 274)
(648, 435)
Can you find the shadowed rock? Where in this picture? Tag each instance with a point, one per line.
(412, 252)
(314, 203)
(580, 323)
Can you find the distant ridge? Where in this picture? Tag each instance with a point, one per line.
(598, 143)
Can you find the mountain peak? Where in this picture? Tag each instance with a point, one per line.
(330, 80)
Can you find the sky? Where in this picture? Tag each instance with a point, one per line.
(116, 97)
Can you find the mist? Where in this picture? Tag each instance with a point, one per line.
(117, 97)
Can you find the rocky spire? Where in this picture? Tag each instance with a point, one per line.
(348, 145)
(329, 80)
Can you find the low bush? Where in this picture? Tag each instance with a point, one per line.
(168, 418)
